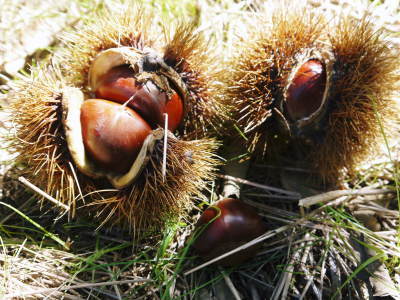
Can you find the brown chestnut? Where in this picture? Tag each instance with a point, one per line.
(235, 223)
(112, 134)
(119, 84)
(306, 91)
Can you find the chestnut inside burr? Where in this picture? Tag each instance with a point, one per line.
(112, 134)
(305, 93)
(237, 224)
(119, 84)
(115, 126)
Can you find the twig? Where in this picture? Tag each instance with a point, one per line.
(274, 196)
(76, 181)
(261, 186)
(261, 282)
(234, 168)
(324, 257)
(303, 263)
(231, 286)
(164, 165)
(272, 210)
(332, 195)
(282, 287)
(375, 208)
(42, 193)
(116, 289)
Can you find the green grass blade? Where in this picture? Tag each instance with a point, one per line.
(46, 233)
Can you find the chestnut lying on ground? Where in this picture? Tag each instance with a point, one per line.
(235, 224)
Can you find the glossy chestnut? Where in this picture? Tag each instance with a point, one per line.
(306, 91)
(235, 223)
(120, 85)
(112, 134)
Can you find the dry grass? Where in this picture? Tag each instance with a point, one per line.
(342, 245)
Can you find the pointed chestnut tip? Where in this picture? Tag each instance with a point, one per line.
(233, 223)
(306, 90)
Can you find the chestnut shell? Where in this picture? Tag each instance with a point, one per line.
(237, 224)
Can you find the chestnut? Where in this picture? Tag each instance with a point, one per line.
(306, 91)
(119, 84)
(235, 223)
(112, 134)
